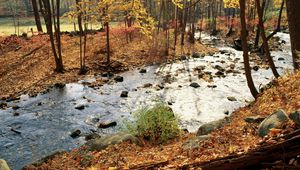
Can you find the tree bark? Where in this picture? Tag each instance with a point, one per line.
(294, 27)
(36, 16)
(250, 82)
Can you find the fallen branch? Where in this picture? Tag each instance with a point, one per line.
(33, 51)
(285, 150)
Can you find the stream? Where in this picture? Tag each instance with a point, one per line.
(44, 123)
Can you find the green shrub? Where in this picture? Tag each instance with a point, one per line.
(157, 124)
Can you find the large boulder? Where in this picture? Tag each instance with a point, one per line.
(295, 116)
(3, 165)
(211, 126)
(275, 120)
(102, 143)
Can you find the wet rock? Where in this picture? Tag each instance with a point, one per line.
(224, 51)
(92, 136)
(159, 87)
(39, 103)
(196, 55)
(211, 126)
(107, 74)
(75, 133)
(183, 57)
(119, 79)
(220, 74)
(92, 121)
(15, 107)
(143, 70)
(281, 59)
(107, 124)
(275, 120)
(295, 116)
(3, 106)
(80, 107)
(102, 143)
(59, 85)
(254, 119)
(232, 99)
(147, 85)
(212, 86)
(195, 85)
(283, 42)
(255, 68)
(16, 114)
(4, 165)
(226, 112)
(194, 142)
(124, 94)
(220, 68)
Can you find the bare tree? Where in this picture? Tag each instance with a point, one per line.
(36, 16)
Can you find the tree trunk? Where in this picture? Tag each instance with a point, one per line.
(294, 27)
(36, 16)
(250, 82)
(264, 38)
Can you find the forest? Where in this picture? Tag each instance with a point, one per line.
(149, 84)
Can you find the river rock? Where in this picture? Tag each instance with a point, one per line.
(255, 68)
(75, 133)
(143, 70)
(211, 126)
(59, 85)
(281, 59)
(183, 57)
(219, 74)
(195, 85)
(224, 51)
(107, 124)
(4, 165)
(232, 99)
(102, 143)
(147, 85)
(194, 142)
(15, 107)
(3, 105)
(92, 136)
(273, 121)
(196, 55)
(124, 94)
(80, 107)
(254, 119)
(16, 114)
(119, 79)
(108, 75)
(295, 116)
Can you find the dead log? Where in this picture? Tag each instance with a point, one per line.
(285, 150)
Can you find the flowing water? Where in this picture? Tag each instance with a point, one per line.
(46, 121)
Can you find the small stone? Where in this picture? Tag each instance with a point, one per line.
(255, 68)
(220, 73)
(16, 107)
(108, 75)
(231, 99)
(254, 119)
(59, 85)
(147, 85)
(183, 57)
(124, 94)
(212, 86)
(16, 114)
(107, 124)
(207, 128)
(194, 142)
(143, 71)
(39, 104)
(170, 103)
(75, 134)
(295, 116)
(92, 136)
(195, 85)
(3, 106)
(281, 59)
(119, 79)
(80, 107)
(226, 112)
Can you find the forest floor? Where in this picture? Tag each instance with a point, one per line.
(26, 64)
(238, 137)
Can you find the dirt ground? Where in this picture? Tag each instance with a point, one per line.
(27, 64)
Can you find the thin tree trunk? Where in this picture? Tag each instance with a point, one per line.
(264, 38)
(36, 16)
(250, 82)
